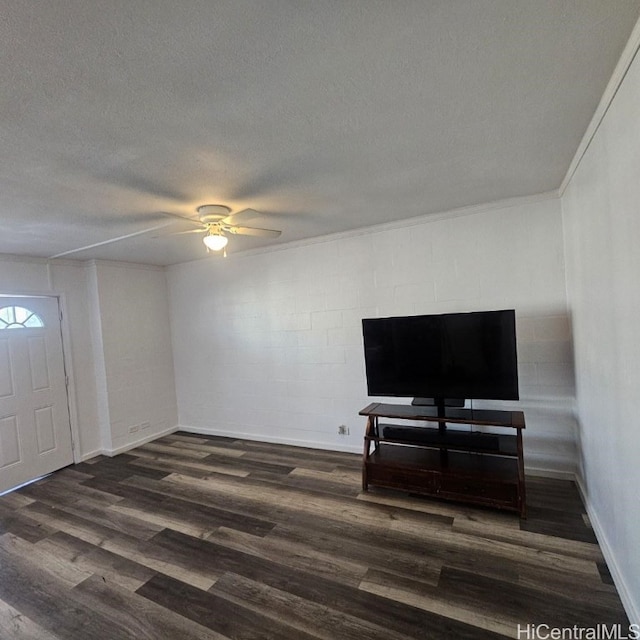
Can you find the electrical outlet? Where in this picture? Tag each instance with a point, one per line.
(145, 425)
(134, 428)
(343, 430)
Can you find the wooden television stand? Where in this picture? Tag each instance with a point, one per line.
(467, 466)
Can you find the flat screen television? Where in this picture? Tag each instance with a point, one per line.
(453, 355)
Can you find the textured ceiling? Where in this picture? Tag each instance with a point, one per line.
(329, 116)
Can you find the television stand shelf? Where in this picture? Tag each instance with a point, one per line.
(467, 466)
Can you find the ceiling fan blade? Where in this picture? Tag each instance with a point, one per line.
(241, 216)
(178, 233)
(179, 217)
(253, 231)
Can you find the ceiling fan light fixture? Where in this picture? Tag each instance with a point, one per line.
(215, 241)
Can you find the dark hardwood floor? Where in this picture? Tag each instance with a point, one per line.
(194, 537)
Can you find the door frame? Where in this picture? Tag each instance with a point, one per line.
(67, 360)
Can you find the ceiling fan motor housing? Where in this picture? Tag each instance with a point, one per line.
(212, 212)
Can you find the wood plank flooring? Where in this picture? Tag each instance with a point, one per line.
(214, 538)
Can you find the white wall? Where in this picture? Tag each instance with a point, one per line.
(132, 351)
(602, 227)
(268, 345)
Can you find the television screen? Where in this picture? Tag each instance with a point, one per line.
(453, 355)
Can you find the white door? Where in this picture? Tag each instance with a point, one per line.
(35, 433)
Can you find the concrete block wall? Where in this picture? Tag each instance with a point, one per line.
(134, 361)
(268, 345)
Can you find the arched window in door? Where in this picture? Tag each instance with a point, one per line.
(19, 318)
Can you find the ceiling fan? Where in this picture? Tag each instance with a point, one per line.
(216, 221)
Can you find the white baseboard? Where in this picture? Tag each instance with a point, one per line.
(132, 445)
(541, 472)
(631, 607)
(309, 444)
(92, 454)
